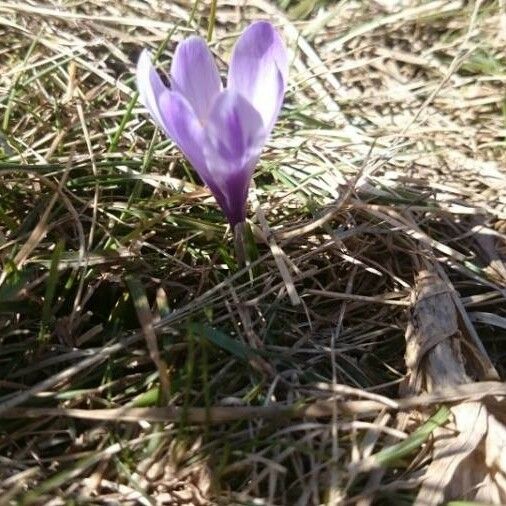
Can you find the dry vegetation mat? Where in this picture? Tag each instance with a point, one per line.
(357, 359)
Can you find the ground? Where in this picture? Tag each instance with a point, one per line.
(140, 364)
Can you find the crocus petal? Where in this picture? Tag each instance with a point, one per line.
(259, 70)
(194, 75)
(234, 138)
(150, 86)
(181, 124)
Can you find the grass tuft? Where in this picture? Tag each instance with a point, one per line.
(140, 362)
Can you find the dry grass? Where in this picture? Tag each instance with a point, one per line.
(119, 288)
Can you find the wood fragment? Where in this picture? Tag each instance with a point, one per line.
(468, 457)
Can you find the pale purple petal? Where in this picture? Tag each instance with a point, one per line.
(259, 70)
(221, 133)
(181, 124)
(234, 139)
(150, 86)
(194, 75)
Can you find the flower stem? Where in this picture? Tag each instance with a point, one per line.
(239, 244)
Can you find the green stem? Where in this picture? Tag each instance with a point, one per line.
(193, 12)
(212, 19)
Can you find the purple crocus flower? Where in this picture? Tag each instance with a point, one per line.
(220, 131)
